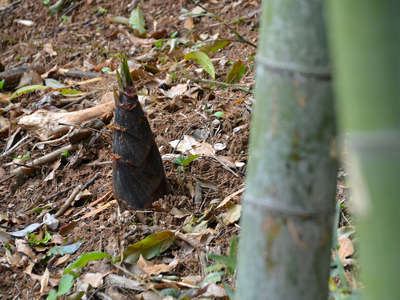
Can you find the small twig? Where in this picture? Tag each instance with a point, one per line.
(69, 201)
(77, 73)
(10, 6)
(74, 194)
(15, 147)
(11, 138)
(58, 193)
(99, 163)
(135, 40)
(107, 196)
(239, 37)
(6, 178)
(133, 4)
(223, 84)
(180, 140)
(191, 242)
(65, 136)
(42, 160)
(90, 181)
(225, 166)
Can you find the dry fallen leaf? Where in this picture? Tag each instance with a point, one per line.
(227, 199)
(4, 124)
(177, 213)
(177, 90)
(346, 250)
(219, 146)
(28, 23)
(48, 48)
(23, 247)
(189, 24)
(93, 279)
(61, 260)
(5, 98)
(232, 214)
(214, 291)
(154, 269)
(44, 281)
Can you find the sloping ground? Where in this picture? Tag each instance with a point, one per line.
(86, 39)
(184, 106)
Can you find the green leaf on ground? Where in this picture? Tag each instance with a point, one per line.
(67, 249)
(65, 284)
(120, 20)
(185, 161)
(137, 22)
(52, 295)
(219, 114)
(27, 90)
(69, 92)
(2, 84)
(214, 277)
(84, 259)
(36, 240)
(105, 70)
(236, 72)
(151, 246)
(203, 60)
(215, 46)
(229, 261)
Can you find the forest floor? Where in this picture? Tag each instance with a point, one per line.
(184, 104)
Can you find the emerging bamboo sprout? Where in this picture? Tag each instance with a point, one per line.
(138, 173)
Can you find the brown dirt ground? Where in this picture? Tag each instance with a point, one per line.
(90, 37)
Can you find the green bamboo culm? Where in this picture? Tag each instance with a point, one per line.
(365, 44)
(288, 207)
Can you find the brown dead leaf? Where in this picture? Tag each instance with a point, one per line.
(28, 270)
(98, 210)
(123, 282)
(177, 90)
(57, 239)
(5, 98)
(159, 34)
(48, 48)
(189, 24)
(4, 236)
(44, 281)
(54, 166)
(346, 250)
(15, 260)
(154, 269)
(29, 78)
(4, 124)
(62, 260)
(93, 279)
(227, 199)
(232, 215)
(23, 247)
(177, 213)
(214, 291)
(149, 295)
(192, 279)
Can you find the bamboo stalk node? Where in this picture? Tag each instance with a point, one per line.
(118, 127)
(377, 140)
(321, 73)
(282, 209)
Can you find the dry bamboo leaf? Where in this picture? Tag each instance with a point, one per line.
(154, 269)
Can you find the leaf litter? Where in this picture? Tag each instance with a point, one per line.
(58, 118)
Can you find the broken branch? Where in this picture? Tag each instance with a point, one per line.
(52, 156)
(47, 124)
